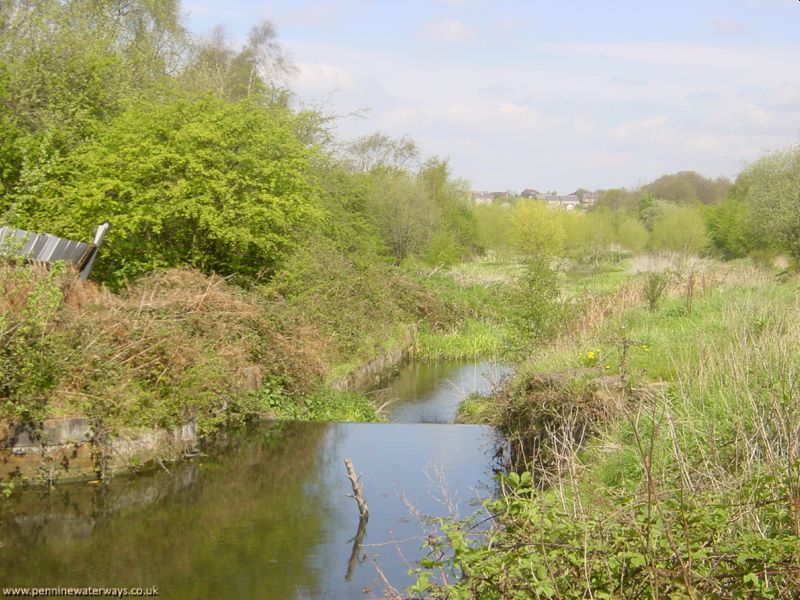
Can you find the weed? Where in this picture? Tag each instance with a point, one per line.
(655, 285)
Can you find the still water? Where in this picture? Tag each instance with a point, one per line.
(431, 392)
(264, 515)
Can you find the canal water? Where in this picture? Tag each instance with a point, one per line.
(431, 392)
(267, 513)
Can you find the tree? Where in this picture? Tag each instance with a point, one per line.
(681, 229)
(648, 210)
(403, 211)
(729, 228)
(535, 229)
(492, 225)
(379, 151)
(689, 186)
(66, 67)
(770, 187)
(258, 71)
(617, 199)
(221, 186)
(630, 233)
(456, 233)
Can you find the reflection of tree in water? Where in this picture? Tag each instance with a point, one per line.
(238, 525)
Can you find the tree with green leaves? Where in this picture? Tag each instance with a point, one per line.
(455, 236)
(403, 211)
(689, 186)
(257, 71)
(221, 186)
(680, 229)
(648, 209)
(380, 151)
(535, 229)
(492, 223)
(68, 66)
(730, 229)
(770, 187)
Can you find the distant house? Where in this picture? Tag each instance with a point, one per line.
(591, 198)
(482, 197)
(531, 193)
(568, 202)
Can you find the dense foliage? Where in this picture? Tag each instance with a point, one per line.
(250, 250)
(770, 187)
(222, 186)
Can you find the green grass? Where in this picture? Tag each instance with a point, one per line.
(667, 339)
(688, 493)
(473, 340)
(325, 405)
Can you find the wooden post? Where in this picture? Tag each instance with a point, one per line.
(358, 493)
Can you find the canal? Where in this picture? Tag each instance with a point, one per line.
(266, 513)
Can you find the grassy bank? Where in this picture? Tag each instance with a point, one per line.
(177, 344)
(686, 488)
(481, 290)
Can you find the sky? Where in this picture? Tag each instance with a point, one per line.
(543, 94)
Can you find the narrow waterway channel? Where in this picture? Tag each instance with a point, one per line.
(266, 514)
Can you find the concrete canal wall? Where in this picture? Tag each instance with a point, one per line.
(377, 369)
(61, 450)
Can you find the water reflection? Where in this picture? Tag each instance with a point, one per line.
(267, 517)
(431, 392)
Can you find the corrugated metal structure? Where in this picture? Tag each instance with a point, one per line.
(47, 249)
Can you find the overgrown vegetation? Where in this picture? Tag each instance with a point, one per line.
(246, 249)
(657, 449)
(253, 260)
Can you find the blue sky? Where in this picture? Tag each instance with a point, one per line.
(543, 94)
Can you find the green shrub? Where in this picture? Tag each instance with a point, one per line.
(221, 186)
(617, 546)
(655, 286)
(30, 302)
(536, 309)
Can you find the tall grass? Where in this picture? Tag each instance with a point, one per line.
(690, 489)
(475, 339)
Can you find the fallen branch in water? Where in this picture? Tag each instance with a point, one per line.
(358, 493)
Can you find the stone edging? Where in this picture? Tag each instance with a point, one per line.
(62, 450)
(372, 372)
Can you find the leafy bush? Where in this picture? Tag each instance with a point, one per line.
(30, 304)
(771, 189)
(221, 186)
(730, 228)
(535, 229)
(536, 309)
(617, 546)
(680, 229)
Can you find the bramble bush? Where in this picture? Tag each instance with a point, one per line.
(650, 543)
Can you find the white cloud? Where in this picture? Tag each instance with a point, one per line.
(314, 13)
(537, 124)
(729, 26)
(445, 30)
(639, 129)
(522, 116)
(316, 79)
